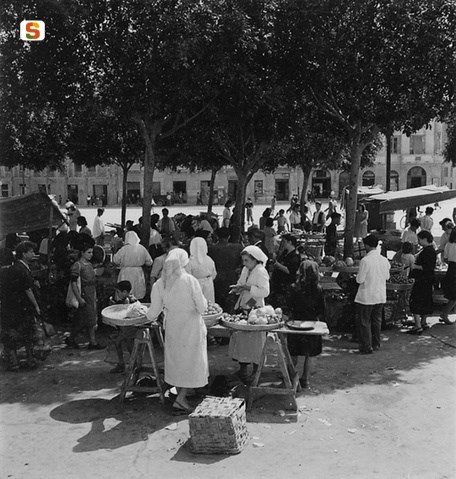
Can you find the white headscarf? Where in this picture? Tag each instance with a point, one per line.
(198, 250)
(173, 266)
(256, 253)
(132, 238)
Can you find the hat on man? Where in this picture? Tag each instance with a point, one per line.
(443, 222)
(371, 240)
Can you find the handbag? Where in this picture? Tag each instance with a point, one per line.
(71, 301)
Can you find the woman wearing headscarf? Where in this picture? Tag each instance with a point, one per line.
(131, 258)
(306, 303)
(202, 267)
(252, 288)
(179, 295)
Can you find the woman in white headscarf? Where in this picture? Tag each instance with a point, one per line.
(252, 288)
(202, 267)
(179, 295)
(131, 258)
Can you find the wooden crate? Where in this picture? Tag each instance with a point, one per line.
(218, 426)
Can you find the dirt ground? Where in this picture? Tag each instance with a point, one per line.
(391, 414)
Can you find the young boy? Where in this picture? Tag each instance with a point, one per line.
(126, 334)
(282, 222)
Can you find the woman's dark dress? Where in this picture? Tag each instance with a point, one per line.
(306, 306)
(18, 323)
(421, 295)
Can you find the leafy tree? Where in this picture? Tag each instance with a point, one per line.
(246, 117)
(147, 62)
(450, 147)
(38, 86)
(105, 139)
(195, 149)
(369, 65)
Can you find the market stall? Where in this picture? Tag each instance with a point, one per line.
(21, 214)
(384, 204)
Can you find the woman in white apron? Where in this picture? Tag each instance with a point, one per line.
(252, 287)
(179, 295)
(131, 258)
(202, 267)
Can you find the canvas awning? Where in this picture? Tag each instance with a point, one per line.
(27, 213)
(413, 197)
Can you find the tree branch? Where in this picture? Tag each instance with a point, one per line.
(177, 127)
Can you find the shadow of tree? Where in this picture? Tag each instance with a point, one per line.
(112, 426)
(67, 374)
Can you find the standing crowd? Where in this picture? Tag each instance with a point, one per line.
(190, 262)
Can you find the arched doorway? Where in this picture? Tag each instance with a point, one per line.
(344, 180)
(368, 178)
(321, 184)
(394, 181)
(416, 177)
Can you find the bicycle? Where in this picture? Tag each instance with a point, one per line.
(403, 222)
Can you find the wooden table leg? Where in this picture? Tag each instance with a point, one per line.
(286, 367)
(142, 345)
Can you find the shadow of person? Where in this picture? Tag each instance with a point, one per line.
(111, 426)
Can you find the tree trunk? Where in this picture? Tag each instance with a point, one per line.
(210, 201)
(238, 212)
(388, 159)
(123, 213)
(355, 158)
(149, 167)
(307, 172)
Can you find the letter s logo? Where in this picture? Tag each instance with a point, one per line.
(32, 30)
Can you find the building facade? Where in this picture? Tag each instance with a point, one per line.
(415, 161)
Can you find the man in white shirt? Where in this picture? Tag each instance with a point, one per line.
(409, 235)
(426, 221)
(371, 296)
(318, 219)
(447, 227)
(98, 229)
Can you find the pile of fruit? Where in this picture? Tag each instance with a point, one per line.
(398, 278)
(240, 318)
(212, 308)
(265, 315)
(257, 316)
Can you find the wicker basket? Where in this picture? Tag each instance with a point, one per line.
(212, 319)
(389, 313)
(218, 426)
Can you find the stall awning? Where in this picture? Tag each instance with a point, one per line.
(27, 213)
(413, 197)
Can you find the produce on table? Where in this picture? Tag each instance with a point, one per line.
(328, 260)
(349, 261)
(339, 264)
(135, 310)
(257, 316)
(398, 278)
(212, 308)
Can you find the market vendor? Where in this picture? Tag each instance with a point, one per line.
(131, 258)
(284, 271)
(186, 363)
(252, 287)
(202, 267)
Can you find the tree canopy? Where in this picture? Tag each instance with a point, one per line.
(368, 65)
(252, 73)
